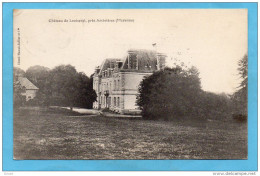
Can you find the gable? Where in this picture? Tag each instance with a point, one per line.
(27, 84)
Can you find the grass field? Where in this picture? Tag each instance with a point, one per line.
(60, 134)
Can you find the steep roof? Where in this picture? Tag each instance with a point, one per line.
(27, 84)
(108, 63)
(145, 58)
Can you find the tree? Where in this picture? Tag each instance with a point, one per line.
(17, 72)
(176, 93)
(86, 94)
(61, 86)
(170, 93)
(239, 98)
(64, 85)
(18, 98)
(39, 76)
(92, 96)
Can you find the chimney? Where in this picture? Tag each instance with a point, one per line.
(132, 60)
(97, 69)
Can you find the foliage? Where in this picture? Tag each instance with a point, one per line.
(92, 96)
(39, 76)
(86, 95)
(64, 85)
(18, 98)
(175, 93)
(70, 88)
(169, 93)
(239, 98)
(60, 86)
(17, 72)
(215, 106)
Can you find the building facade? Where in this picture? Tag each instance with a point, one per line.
(116, 81)
(29, 89)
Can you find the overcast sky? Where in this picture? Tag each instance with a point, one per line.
(211, 40)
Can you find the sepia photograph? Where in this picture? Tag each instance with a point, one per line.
(130, 84)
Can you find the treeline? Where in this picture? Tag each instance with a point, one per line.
(60, 86)
(176, 93)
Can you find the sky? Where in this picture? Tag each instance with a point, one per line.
(213, 40)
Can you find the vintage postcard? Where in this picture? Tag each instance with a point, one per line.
(130, 84)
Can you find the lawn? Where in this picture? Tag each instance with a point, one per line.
(41, 133)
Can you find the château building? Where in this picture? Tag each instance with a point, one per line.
(116, 81)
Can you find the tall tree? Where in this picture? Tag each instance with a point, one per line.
(39, 76)
(170, 93)
(92, 96)
(17, 72)
(64, 85)
(61, 86)
(86, 94)
(18, 98)
(240, 96)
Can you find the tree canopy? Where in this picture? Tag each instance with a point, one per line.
(176, 93)
(38, 75)
(60, 86)
(18, 98)
(169, 92)
(17, 72)
(239, 98)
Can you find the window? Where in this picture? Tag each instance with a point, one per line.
(118, 101)
(109, 101)
(114, 101)
(114, 84)
(118, 84)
